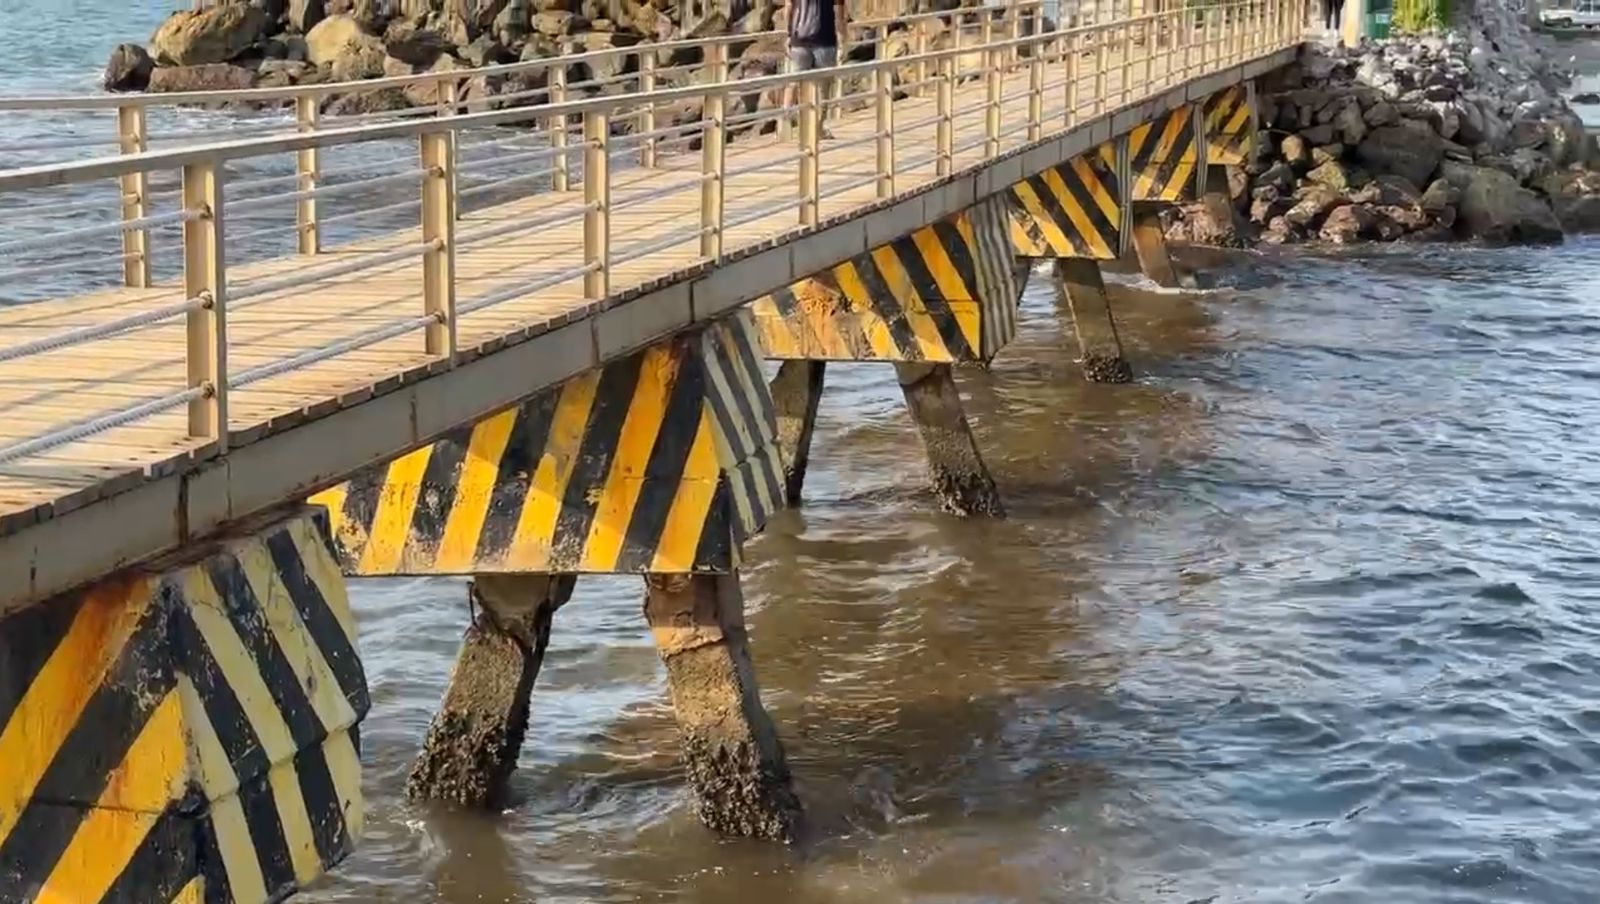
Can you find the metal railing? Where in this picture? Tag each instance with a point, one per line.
(1071, 72)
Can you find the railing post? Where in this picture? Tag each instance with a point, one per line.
(790, 97)
(132, 138)
(837, 110)
(1102, 61)
(1127, 63)
(883, 89)
(986, 26)
(597, 205)
(647, 84)
(560, 178)
(1036, 93)
(994, 97)
(308, 167)
(1013, 16)
(1073, 93)
(945, 161)
(713, 151)
(810, 148)
(205, 276)
(438, 231)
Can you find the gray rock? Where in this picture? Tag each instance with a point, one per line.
(305, 14)
(1382, 113)
(1321, 134)
(1327, 153)
(1352, 127)
(1312, 204)
(1279, 176)
(1409, 149)
(1296, 152)
(1213, 220)
(214, 34)
(406, 41)
(1347, 224)
(1331, 174)
(209, 77)
(128, 69)
(1496, 209)
(1578, 214)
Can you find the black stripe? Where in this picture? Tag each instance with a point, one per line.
(524, 448)
(1091, 210)
(325, 629)
(437, 493)
(226, 714)
(1167, 168)
(717, 361)
(163, 864)
(715, 549)
(1147, 149)
(361, 497)
(939, 310)
(266, 837)
(27, 640)
(1058, 214)
(618, 382)
(324, 809)
(883, 301)
(213, 869)
(116, 712)
(668, 459)
(745, 344)
(249, 619)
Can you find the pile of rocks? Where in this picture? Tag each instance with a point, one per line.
(1461, 135)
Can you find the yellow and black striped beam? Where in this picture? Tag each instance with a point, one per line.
(945, 293)
(1229, 123)
(186, 732)
(1071, 210)
(1162, 156)
(664, 461)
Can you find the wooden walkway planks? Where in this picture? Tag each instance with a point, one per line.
(68, 386)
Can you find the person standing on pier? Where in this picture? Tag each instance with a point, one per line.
(814, 30)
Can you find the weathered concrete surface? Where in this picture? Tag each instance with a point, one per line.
(1150, 246)
(796, 392)
(730, 748)
(960, 478)
(1080, 290)
(473, 742)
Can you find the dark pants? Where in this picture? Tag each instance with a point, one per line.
(1335, 13)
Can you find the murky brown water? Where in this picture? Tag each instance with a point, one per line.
(1305, 614)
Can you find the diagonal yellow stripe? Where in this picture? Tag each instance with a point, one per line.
(620, 491)
(193, 893)
(344, 765)
(686, 519)
(237, 666)
(1055, 240)
(295, 821)
(458, 548)
(316, 678)
(391, 524)
(1098, 244)
(530, 547)
(323, 571)
(333, 500)
(914, 306)
(946, 276)
(1090, 178)
(52, 704)
(221, 786)
(150, 775)
(871, 322)
(777, 339)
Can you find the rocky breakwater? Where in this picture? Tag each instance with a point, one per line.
(234, 44)
(1462, 135)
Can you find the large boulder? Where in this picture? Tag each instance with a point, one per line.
(333, 37)
(215, 34)
(128, 69)
(1409, 149)
(210, 77)
(1347, 224)
(362, 58)
(1496, 209)
(1213, 220)
(411, 43)
(372, 15)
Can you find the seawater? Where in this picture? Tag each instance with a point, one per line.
(1308, 613)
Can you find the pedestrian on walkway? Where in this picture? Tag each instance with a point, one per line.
(814, 30)
(1335, 14)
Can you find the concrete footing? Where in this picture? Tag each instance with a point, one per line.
(730, 748)
(1150, 245)
(473, 742)
(1080, 290)
(960, 478)
(796, 392)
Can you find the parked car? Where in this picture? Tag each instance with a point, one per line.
(1586, 14)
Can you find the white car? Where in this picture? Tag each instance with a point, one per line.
(1585, 14)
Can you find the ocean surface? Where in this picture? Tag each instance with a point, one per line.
(1310, 612)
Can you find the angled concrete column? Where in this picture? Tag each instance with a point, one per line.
(473, 742)
(1080, 289)
(960, 478)
(730, 747)
(796, 392)
(1150, 245)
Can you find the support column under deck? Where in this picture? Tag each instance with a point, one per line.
(960, 478)
(474, 739)
(796, 392)
(730, 748)
(1080, 290)
(1150, 245)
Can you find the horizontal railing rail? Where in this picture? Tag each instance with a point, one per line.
(1027, 85)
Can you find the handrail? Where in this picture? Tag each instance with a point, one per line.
(1221, 35)
(293, 92)
(54, 174)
